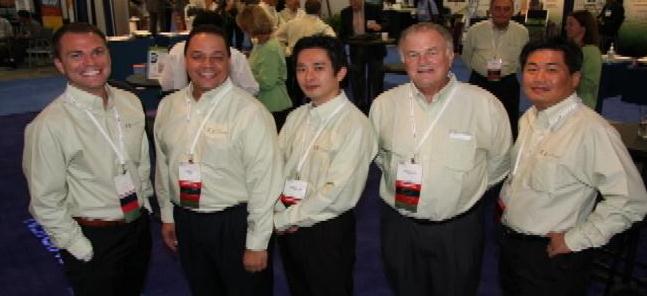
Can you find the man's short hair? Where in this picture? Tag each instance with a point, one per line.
(313, 6)
(331, 45)
(77, 28)
(572, 53)
(207, 29)
(207, 17)
(428, 26)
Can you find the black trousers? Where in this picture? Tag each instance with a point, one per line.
(319, 260)
(507, 91)
(366, 74)
(119, 264)
(432, 258)
(525, 268)
(211, 248)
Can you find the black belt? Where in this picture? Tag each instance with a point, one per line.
(99, 223)
(432, 222)
(512, 234)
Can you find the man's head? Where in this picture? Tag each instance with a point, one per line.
(207, 58)
(313, 7)
(81, 54)
(292, 4)
(356, 5)
(501, 12)
(551, 70)
(208, 17)
(320, 67)
(427, 51)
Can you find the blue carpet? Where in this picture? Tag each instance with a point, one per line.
(29, 95)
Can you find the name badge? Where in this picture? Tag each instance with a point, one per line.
(190, 185)
(494, 69)
(293, 192)
(127, 196)
(408, 184)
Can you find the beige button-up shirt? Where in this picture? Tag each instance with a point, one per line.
(237, 152)
(308, 25)
(569, 154)
(70, 166)
(465, 153)
(336, 166)
(483, 42)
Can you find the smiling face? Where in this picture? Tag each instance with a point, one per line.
(427, 59)
(85, 61)
(316, 75)
(547, 79)
(207, 62)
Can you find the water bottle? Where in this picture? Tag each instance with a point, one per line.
(611, 53)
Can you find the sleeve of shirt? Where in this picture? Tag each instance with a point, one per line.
(328, 31)
(263, 174)
(281, 34)
(267, 69)
(375, 118)
(162, 186)
(612, 171)
(591, 72)
(44, 167)
(144, 169)
(349, 164)
(499, 152)
(241, 73)
(468, 49)
(166, 81)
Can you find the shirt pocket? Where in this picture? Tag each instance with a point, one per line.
(545, 174)
(216, 145)
(459, 152)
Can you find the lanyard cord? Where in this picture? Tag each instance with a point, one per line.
(221, 93)
(316, 136)
(119, 150)
(412, 119)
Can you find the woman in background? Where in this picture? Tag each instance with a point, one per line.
(581, 28)
(267, 61)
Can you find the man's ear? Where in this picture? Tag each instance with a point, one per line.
(575, 78)
(59, 66)
(341, 74)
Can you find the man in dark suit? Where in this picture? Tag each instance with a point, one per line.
(360, 18)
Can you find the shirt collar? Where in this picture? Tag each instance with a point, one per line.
(441, 95)
(553, 116)
(322, 112)
(207, 97)
(89, 101)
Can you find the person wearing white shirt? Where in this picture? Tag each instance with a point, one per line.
(328, 146)
(442, 144)
(565, 154)
(174, 74)
(292, 10)
(218, 174)
(86, 162)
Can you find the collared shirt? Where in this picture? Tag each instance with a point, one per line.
(174, 73)
(289, 33)
(465, 153)
(480, 46)
(288, 14)
(69, 165)
(568, 155)
(337, 165)
(237, 152)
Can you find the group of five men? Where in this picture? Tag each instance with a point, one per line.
(225, 182)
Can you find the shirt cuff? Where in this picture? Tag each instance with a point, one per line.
(281, 222)
(575, 240)
(81, 249)
(256, 243)
(166, 214)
